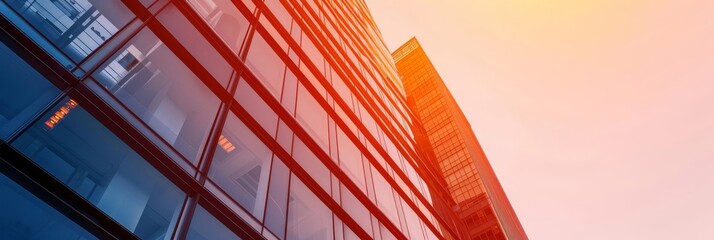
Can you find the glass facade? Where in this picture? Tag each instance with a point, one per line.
(24, 216)
(208, 119)
(456, 154)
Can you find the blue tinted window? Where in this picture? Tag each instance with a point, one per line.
(79, 151)
(24, 216)
(23, 92)
(241, 166)
(204, 226)
(76, 27)
(153, 83)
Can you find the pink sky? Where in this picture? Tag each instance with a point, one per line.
(598, 116)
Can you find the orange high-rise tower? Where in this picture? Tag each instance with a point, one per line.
(478, 196)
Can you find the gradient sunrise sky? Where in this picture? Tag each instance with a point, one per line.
(597, 116)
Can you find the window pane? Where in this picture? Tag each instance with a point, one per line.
(313, 53)
(289, 92)
(312, 165)
(413, 222)
(277, 199)
(350, 159)
(24, 216)
(356, 209)
(341, 87)
(349, 234)
(23, 92)
(308, 217)
(312, 117)
(386, 234)
(258, 109)
(384, 196)
(368, 121)
(205, 226)
(76, 27)
(225, 19)
(79, 151)
(273, 33)
(153, 83)
(194, 41)
(280, 13)
(266, 65)
(241, 165)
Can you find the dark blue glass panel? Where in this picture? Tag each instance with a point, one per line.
(76, 27)
(150, 80)
(23, 92)
(79, 151)
(204, 226)
(24, 216)
(241, 166)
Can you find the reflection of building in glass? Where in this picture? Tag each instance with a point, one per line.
(77, 27)
(208, 119)
(478, 197)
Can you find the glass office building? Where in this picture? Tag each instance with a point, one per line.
(457, 156)
(208, 119)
